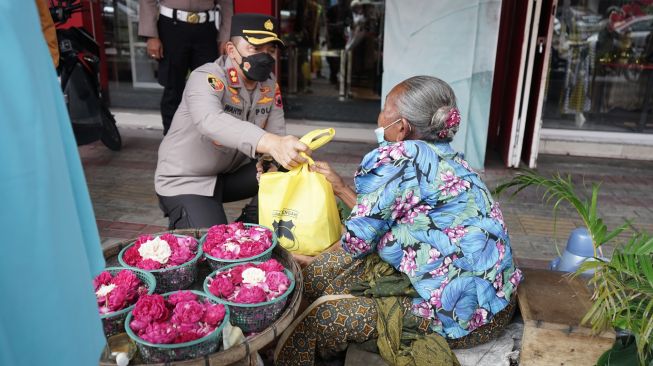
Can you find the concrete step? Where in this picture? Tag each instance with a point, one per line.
(345, 131)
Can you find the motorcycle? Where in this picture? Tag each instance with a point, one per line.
(79, 70)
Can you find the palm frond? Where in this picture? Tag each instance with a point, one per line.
(622, 286)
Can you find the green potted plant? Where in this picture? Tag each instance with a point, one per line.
(622, 287)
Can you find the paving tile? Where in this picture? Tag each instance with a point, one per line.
(152, 229)
(119, 225)
(106, 242)
(532, 263)
(121, 234)
(101, 224)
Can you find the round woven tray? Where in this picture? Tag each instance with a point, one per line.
(244, 350)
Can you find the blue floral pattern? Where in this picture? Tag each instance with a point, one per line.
(425, 211)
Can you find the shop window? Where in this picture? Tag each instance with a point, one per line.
(601, 68)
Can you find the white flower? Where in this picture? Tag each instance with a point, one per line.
(156, 250)
(232, 247)
(104, 290)
(253, 276)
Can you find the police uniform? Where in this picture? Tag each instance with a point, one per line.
(207, 156)
(187, 30)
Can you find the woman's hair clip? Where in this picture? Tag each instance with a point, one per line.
(453, 119)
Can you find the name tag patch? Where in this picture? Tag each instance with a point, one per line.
(233, 110)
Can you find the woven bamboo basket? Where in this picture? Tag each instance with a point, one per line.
(245, 350)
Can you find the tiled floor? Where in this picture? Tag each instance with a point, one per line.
(122, 190)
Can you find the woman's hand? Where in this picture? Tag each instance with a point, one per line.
(331, 176)
(265, 164)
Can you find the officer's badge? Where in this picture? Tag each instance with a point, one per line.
(277, 96)
(235, 98)
(268, 25)
(233, 76)
(233, 90)
(264, 100)
(215, 83)
(265, 89)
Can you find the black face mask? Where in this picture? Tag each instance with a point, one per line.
(258, 66)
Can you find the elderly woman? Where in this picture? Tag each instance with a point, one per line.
(421, 208)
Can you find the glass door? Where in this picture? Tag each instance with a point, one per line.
(600, 76)
(132, 75)
(332, 64)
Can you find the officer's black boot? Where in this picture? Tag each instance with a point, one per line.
(249, 214)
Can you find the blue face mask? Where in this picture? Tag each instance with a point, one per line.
(380, 133)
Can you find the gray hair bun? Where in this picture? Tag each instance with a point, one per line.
(439, 123)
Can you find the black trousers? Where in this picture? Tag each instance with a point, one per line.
(195, 211)
(185, 47)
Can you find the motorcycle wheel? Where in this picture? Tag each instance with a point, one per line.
(110, 134)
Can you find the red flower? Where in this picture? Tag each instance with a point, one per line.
(127, 279)
(149, 264)
(171, 239)
(271, 265)
(103, 278)
(131, 256)
(221, 286)
(138, 325)
(248, 242)
(187, 332)
(187, 312)
(251, 248)
(151, 308)
(180, 296)
(118, 298)
(214, 314)
(250, 295)
(160, 333)
(277, 281)
(180, 255)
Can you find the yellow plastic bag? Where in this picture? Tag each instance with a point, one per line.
(299, 205)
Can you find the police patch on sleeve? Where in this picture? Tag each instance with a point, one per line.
(277, 96)
(215, 83)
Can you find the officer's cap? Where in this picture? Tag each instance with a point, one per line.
(257, 29)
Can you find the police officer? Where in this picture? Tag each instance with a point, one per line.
(231, 112)
(181, 35)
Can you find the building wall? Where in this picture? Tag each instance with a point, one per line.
(455, 41)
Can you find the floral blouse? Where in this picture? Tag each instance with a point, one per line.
(426, 212)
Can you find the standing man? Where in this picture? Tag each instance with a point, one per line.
(230, 112)
(182, 35)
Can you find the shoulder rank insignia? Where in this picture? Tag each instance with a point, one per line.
(233, 76)
(215, 83)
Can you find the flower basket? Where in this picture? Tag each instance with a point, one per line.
(217, 263)
(163, 353)
(114, 322)
(252, 318)
(172, 278)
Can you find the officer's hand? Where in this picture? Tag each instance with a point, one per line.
(155, 48)
(285, 150)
